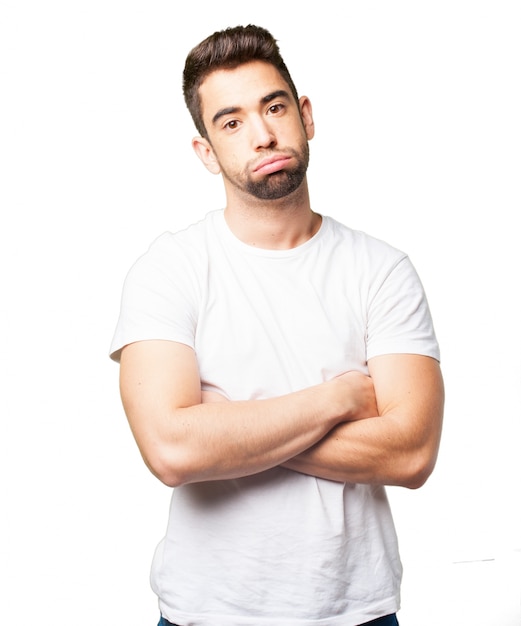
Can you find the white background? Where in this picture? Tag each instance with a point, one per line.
(417, 110)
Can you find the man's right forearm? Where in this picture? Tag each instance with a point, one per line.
(223, 440)
(183, 439)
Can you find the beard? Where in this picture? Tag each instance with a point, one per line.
(277, 185)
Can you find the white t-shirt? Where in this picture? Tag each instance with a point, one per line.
(276, 548)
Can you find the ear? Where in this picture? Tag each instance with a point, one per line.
(306, 113)
(204, 151)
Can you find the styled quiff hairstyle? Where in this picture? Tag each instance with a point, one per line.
(227, 49)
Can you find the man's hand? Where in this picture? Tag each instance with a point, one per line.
(397, 448)
(352, 391)
(356, 391)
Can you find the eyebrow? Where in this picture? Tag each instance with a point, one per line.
(280, 93)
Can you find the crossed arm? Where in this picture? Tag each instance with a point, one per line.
(381, 429)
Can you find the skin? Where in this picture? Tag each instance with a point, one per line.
(245, 138)
(382, 429)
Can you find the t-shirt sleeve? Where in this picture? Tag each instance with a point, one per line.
(399, 319)
(158, 300)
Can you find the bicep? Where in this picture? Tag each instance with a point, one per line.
(409, 390)
(410, 382)
(156, 378)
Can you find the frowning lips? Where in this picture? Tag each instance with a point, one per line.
(272, 164)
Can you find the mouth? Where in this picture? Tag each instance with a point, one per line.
(272, 164)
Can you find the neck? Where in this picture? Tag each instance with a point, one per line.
(275, 224)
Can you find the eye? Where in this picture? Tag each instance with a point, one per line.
(275, 108)
(231, 125)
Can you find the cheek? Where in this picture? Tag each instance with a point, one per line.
(233, 162)
(293, 136)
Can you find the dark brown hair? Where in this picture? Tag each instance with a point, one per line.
(227, 49)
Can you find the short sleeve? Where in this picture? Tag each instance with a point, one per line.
(159, 299)
(399, 318)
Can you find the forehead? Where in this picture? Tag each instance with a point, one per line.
(240, 87)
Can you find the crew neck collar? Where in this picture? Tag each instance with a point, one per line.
(229, 236)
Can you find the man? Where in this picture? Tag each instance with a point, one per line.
(278, 369)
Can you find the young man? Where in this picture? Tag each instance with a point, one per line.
(278, 369)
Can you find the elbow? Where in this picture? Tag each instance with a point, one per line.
(170, 472)
(417, 470)
(169, 478)
(416, 480)
(419, 459)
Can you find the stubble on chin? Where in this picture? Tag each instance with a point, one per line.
(282, 183)
(273, 186)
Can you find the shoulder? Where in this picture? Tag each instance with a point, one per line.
(183, 250)
(358, 238)
(363, 251)
(191, 239)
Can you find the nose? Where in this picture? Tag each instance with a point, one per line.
(263, 135)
